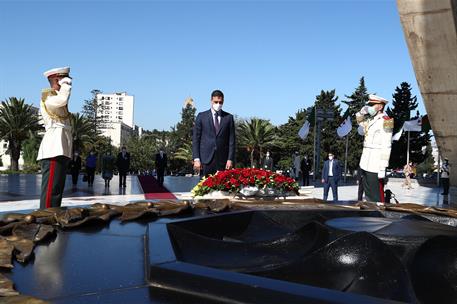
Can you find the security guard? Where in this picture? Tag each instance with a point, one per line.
(378, 129)
(56, 147)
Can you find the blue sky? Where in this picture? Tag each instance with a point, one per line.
(270, 58)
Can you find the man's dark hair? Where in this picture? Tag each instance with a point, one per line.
(217, 93)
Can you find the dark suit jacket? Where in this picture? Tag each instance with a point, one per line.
(305, 165)
(161, 162)
(336, 170)
(206, 143)
(123, 163)
(75, 164)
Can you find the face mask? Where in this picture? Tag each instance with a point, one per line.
(330, 157)
(372, 111)
(217, 107)
(268, 154)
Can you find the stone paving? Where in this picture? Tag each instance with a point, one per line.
(20, 192)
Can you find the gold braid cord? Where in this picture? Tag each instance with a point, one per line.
(44, 95)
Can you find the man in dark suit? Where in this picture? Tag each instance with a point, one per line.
(213, 142)
(305, 166)
(331, 174)
(161, 164)
(268, 162)
(75, 167)
(123, 166)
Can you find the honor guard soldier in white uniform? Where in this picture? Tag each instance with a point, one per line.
(56, 147)
(378, 129)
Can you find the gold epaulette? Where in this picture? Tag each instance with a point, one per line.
(388, 124)
(45, 93)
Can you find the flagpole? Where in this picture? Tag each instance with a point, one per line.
(407, 152)
(346, 158)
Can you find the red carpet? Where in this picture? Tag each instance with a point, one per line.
(152, 189)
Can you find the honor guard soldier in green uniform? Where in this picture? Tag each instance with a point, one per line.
(56, 147)
(378, 129)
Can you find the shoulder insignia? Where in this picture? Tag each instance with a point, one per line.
(388, 123)
(386, 117)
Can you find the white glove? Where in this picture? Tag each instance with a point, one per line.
(66, 80)
(382, 174)
(364, 110)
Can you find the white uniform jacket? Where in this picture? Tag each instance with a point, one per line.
(377, 143)
(58, 138)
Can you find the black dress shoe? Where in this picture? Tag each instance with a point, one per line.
(444, 193)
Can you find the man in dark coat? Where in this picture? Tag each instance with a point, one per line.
(268, 162)
(75, 168)
(213, 142)
(331, 174)
(305, 168)
(161, 164)
(123, 166)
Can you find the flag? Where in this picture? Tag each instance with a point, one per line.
(414, 125)
(397, 135)
(304, 130)
(345, 128)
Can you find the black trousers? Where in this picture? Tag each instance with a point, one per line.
(90, 175)
(53, 172)
(74, 177)
(215, 165)
(160, 174)
(360, 190)
(445, 182)
(122, 178)
(372, 186)
(334, 184)
(305, 178)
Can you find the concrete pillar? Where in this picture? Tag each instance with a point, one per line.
(430, 30)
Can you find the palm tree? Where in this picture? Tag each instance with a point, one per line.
(83, 131)
(17, 120)
(255, 135)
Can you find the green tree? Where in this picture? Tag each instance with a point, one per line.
(30, 149)
(288, 140)
(181, 138)
(142, 152)
(255, 136)
(83, 132)
(17, 120)
(403, 103)
(92, 110)
(355, 142)
(330, 141)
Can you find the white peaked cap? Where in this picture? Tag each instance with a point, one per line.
(377, 99)
(61, 71)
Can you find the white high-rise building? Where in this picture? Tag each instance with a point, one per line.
(116, 107)
(116, 110)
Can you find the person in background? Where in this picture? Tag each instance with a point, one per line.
(267, 162)
(75, 168)
(91, 165)
(408, 171)
(161, 165)
(296, 160)
(108, 163)
(331, 174)
(445, 176)
(305, 167)
(123, 166)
